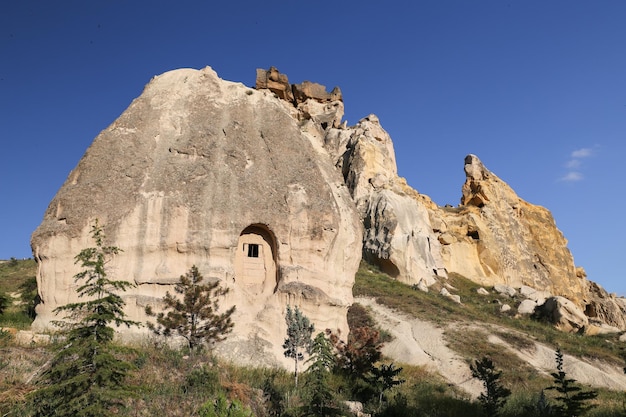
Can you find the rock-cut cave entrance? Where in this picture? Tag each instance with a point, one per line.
(255, 259)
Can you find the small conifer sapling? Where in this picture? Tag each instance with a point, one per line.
(298, 341)
(195, 316)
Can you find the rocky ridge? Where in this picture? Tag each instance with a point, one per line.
(198, 170)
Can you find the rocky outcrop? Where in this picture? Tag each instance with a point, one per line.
(269, 192)
(206, 172)
(498, 238)
(564, 314)
(399, 236)
(603, 309)
(278, 83)
(274, 81)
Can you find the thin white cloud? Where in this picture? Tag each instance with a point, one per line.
(572, 176)
(582, 153)
(573, 164)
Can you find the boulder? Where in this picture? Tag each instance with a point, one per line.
(527, 292)
(505, 290)
(564, 314)
(308, 90)
(454, 297)
(422, 286)
(206, 172)
(597, 328)
(482, 291)
(527, 307)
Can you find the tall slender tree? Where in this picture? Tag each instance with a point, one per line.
(86, 378)
(318, 390)
(573, 401)
(495, 395)
(195, 316)
(298, 341)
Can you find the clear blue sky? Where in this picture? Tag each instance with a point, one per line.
(536, 89)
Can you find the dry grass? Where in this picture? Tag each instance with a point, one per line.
(477, 308)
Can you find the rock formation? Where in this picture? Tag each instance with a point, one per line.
(201, 171)
(269, 192)
(495, 237)
(399, 236)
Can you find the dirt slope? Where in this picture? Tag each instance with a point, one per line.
(418, 342)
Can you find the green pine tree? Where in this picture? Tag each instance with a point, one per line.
(382, 378)
(495, 395)
(318, 390)
(195, 317)
(298, 341)
(86, 378)
(29, 297)
(573, 401)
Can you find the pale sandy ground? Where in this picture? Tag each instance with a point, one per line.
(418, 342)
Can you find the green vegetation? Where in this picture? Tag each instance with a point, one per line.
(359, 354)
(18, 287)
(298, 341)
(383, 378)
(572, 400)
(167, 381)
(15, 272)
(87, 376)
(481, 309)
(318, 393)
(222, 407)
(5, 302)
(195, 317)
(495, 395)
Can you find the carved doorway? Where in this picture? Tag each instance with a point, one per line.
(255, 260)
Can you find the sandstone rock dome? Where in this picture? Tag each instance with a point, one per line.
(206, 172)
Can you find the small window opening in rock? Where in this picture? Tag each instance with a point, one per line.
(473, 234)
(253, 250)
(324, 125)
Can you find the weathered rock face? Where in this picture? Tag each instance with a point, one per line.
(495, 237)
(399, 236)
(603, 308)
(208, 172)
(269, 192)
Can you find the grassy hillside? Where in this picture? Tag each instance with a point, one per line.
(18, 284)
(174, 383)
(470, 341)
(477, 308)
(14, 272)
